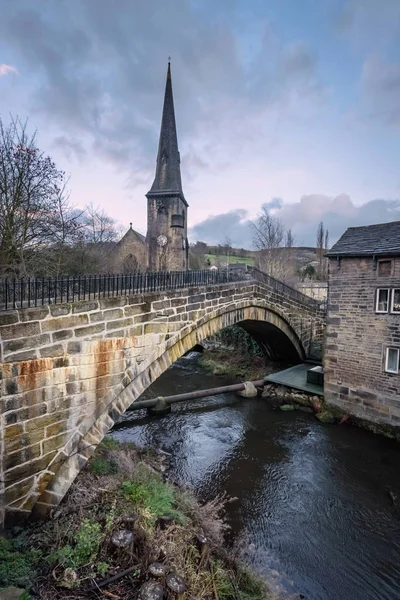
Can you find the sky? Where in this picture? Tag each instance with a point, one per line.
(292, 104)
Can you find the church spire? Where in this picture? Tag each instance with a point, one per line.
(168, 171)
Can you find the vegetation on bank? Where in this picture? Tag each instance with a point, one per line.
(234, 353)
(120, 516)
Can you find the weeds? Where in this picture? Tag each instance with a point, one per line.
(75, 543)
(102, 466)
(87, 542)
(17, 567)
(152, 496)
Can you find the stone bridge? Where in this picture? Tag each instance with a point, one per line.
(68, 371)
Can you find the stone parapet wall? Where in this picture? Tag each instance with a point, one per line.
(356, 339)
(69, 371)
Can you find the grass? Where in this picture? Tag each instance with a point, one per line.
(152, 497)
(223, 361)
(75, 545)
(17, 566)
(233, 260)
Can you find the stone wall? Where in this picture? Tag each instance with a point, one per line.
(355, 377)
(160, 212)
(129, 254)
(69, 371)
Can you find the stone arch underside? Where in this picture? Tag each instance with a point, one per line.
(256, 318)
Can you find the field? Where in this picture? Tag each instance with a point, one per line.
(233, 260)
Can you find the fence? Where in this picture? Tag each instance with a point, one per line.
(283, 288)
(39, 291)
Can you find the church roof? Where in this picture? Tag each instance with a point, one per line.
(168, 171)
(370, 240)
(131, 233)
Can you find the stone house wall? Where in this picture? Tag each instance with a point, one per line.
(357, 338)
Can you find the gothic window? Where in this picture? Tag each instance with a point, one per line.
(161, 208)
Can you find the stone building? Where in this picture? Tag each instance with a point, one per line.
(165, 247)
(129, 254)
(362, 353)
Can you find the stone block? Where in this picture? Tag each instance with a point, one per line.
(89, 330)
(26, 469)
(135, 309)
(18, 489)
(19, 330)
(60, 310)
(119, 323)
(64, 322)
(56, 350)
(144, 318)
(113, 313)
(36, 313)
(85, 306)
(55, 443)
(96, 317)
(22, 356)
(64, 334)
(74, 347)
(112, 302)
(8, 318)
(32, 341)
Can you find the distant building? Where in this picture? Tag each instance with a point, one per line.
(165, 247)
(362, 353)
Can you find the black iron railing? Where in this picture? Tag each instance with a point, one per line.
(39, 291)
(283, 288)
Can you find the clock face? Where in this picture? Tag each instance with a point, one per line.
(162, 240)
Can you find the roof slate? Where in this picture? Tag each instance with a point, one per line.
(383, 239)
(168, 171)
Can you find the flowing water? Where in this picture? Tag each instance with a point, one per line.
(316, 504)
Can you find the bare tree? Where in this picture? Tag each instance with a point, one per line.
(322, 246)
(274, 245)
(326, 261)
(34, 206)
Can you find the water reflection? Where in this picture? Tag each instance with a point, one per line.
(312, 500)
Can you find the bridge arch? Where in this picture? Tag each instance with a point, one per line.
(254, 316)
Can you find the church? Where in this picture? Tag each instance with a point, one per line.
(165, 247)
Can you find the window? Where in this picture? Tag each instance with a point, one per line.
(395, 308)
(384, 268)
(382, 301)
(392, 360)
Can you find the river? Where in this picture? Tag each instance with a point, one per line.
(316, 504)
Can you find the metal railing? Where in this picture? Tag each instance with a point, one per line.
(40, 291)
(283, 288)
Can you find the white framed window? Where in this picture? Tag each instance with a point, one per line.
(395, 302)
(382, 300)
(392, 360)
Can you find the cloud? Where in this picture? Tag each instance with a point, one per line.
(381, 88)
(366, 22)
(6, 69)
(234, 225)
(275, 203)
(302, 217)
(98, 74)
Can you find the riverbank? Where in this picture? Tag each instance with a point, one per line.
(234, 364)
(125, 531)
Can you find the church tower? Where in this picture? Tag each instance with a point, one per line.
(167, 245)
